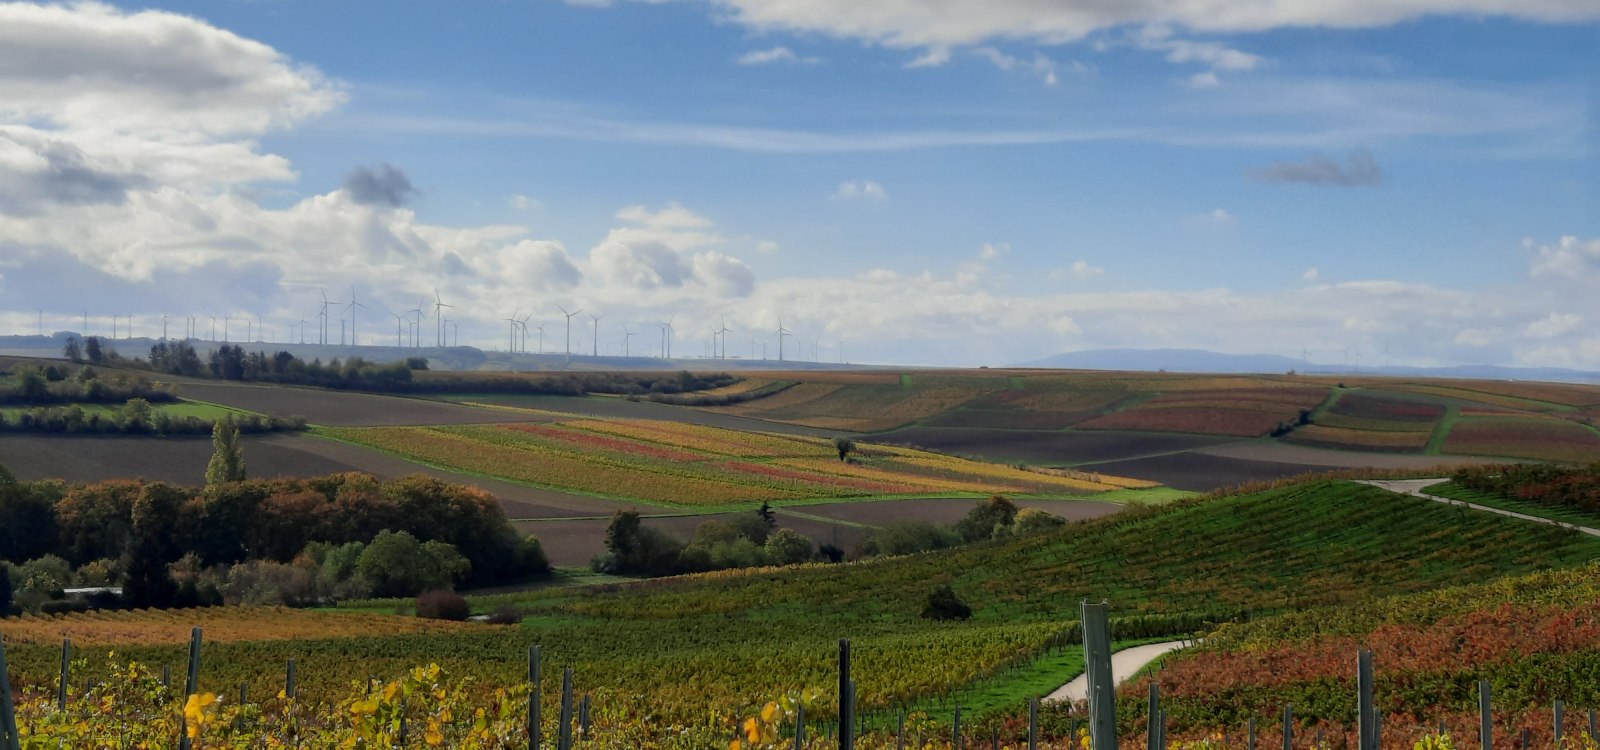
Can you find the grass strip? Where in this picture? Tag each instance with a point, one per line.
(1441, 431)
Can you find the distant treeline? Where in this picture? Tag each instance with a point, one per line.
(391, 538)
(53, 384)
(136, 417)
(232, 362)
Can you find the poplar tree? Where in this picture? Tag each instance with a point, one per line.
(227, 456)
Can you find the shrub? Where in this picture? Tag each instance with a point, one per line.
(943, 604)
(787, 547)
(1034, 520)
(443, 605)
(986, 518)
(506, 615)
(907, 537)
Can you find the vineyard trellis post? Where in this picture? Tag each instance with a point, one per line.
(1288, 727)
(1366, 711)
(1097, 667)
(1594, 723)
(288, 681)
(9, 740)
(1152, 732)
(1485, 720)
(66, 674)
(1560, 721)
(191, 686)
(1033, 724)
(535, 723)
(1251, 744)
(955, 730)
(799, 725)
(846, 704)
(564, 734)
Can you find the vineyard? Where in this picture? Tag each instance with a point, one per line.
(700, 652)
(683, 464)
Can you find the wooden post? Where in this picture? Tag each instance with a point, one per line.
(191, 686)
(66, 674)
(1033, 724)
(846, 706)
(1366, 706)
(9, 739)
(564, 734)
(583, 717)
(1561, 717)
(288, 681)
(1288, 727)
(1097, 667)
(955, 731)
(1152, 719)
(799, 726)
(535, 721)
(994, 738)
(1485, 719)
(1252, 729)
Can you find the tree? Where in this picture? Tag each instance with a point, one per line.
(72, 351)
(787, 547)
(92, 350)
(767, 516)
(943, 604)
(844, 445)
(985, 518)
(227, 456)
(5, 589)
(398, 565)
(1034, 520)
(153, 546)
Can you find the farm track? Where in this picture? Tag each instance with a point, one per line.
(1124, 664)
(1414, 487)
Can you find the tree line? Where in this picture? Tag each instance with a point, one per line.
(293, 541)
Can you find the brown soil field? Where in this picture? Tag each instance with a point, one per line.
(343, 409)
(1056, 448)
(947, 510)
(1328, 458)
(1201, 473)
(1375, 440)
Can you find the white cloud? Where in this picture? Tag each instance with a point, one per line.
(991, 251)
(1553, 325)
(1040, 66)
(1065, 326)
(525, 203)
(768, 247)
(1568, 258)
(1219, 217)
(1311, 274)
(1475, 338)
(916, 23)
(1081, 269)
(935, 56)
(775, 55)
(1204, 80)
(860, 190)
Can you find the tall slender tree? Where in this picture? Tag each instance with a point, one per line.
(227, 456)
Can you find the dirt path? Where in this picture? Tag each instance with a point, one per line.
(1414, 488)
(1124, 664)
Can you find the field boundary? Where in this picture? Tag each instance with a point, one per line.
(1418, 487)
(1441, 431)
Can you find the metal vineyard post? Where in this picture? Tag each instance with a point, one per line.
(1097, 667)
(288, 681)
(1033, 724)
(191, 686)
(66, 674)
(8, 716)
(564, 734)
(535, 722)
(1366, 738)
(1486, 722)
(1288, 727)
(846, 707)
(1152, 730)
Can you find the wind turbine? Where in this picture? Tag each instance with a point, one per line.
(627, 341)
(781, 333)
(163, 324)
(416, 325)
(596, 319)
(352, 308)
(397, 321)
(438, 315)
(324, 315)
(511, 333)
(523, 324)
(713, 341)
(569, 326)
(724, 331)
(670, 331)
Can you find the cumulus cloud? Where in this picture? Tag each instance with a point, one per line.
(1553, 325)
(1568, 258)
(1311, 274)
(36, 170)
(669, 248)
(861, 190)
(775, 55)
(1039, 65)
(383, 185)
(1360, 170)
(1079, 270)
(525, 203)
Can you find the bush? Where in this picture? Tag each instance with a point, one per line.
(443, 605)
(506, 615)
(787, 547)
(908, 537)
(943, 604)
(1034, 520)
(986, 519)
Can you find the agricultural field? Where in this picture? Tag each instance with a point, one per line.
(670, 463)
(180, 409)
(715, 647)
(336, 408)
(1524, 437)
(1242, 412)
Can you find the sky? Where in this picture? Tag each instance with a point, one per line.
(930, 182)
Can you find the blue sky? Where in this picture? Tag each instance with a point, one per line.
(932, 183)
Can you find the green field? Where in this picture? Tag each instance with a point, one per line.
(1455, 491)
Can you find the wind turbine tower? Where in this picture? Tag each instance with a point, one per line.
(781, 333)
(353, 305)
(438, 317)
(596, 319)
(569, 326)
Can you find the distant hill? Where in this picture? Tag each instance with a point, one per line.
(1200, 360)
